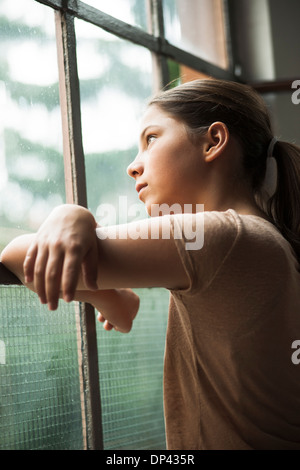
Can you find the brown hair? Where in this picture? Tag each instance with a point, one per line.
(199, 103)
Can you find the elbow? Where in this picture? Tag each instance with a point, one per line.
(134, 311)
(131, 308)
(6, 256)
(13, 255)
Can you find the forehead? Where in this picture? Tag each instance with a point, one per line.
(155, 116)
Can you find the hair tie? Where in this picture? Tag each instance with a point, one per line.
(270, 182)
(271, 147)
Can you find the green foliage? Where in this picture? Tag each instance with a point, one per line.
(106, 175)
(34, 94)
(18, 148)
(174, 72)
(17, 31)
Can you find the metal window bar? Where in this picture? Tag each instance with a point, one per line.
(156, 27)
(160, 46)
(75, 182)
(155, 42)
(230, 43)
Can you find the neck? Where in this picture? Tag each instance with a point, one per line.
(239, 198)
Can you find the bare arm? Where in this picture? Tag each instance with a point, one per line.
(117, 307)
(137, 255)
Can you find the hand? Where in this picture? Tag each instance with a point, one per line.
(106, 325)
(64, 246)
(117, 308)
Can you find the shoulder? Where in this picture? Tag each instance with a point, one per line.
(196, 230)
(204, 241)
(230, 241)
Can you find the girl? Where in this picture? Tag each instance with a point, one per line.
(229, 378)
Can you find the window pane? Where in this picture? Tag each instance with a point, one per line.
(40, 405)
(130, 11)
(181, 73)
(40, 401)
(198, 26)
(115, 81)
(31, 163)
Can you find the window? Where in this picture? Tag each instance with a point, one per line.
(202, 33)
(74, 78)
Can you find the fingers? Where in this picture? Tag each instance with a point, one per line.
(34, 269)
(53, 272)
(52, 281)
(65, 246)
(29, 263)
(70, 275)
(39, 274)
(106, 325)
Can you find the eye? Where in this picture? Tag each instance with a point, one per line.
(150, 138)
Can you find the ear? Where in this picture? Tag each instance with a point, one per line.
(217, 140)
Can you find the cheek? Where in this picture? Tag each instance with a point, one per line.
(157, 168)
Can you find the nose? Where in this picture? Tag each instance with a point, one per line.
(136, 168)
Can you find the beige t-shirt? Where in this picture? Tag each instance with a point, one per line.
(229, 381)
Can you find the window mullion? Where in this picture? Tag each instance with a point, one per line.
(156, 27)
(76, 193)
(75, 179)
(231, 47)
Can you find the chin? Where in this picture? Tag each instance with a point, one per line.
(157, 210)
(148, 209)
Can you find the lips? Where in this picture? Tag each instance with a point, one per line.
(139, 187)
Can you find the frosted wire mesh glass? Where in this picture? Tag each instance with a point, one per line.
(40, 404)
(131, 378)
(116, 82)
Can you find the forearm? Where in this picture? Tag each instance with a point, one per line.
(118, 306)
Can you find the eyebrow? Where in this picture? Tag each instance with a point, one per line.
(146, 128)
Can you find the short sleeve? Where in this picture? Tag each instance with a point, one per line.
(203, 241)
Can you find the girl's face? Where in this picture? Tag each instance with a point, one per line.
(168, 168)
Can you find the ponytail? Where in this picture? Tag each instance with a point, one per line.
(284, 206)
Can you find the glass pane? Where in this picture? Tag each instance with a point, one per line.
(40, 406)
(115, 80)
(115, 83)
(130, 11)
(179, 73)
(40, 401)
(31, 163)
(131, 377)
(198, 26)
